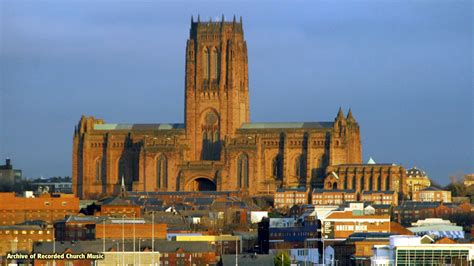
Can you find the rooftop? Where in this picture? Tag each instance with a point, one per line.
(287, 125)
(138, 127)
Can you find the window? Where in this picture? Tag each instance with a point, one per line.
(277, 167)
(215, 64)
(162, 172)
(300, 166)
(98, 169)
(206, 63)
(243, 171)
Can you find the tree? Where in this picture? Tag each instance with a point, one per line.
(282, 259)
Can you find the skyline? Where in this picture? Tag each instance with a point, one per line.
(326, 55)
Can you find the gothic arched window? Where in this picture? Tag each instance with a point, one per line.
(379, 185)
(98, 169)
(387, 183)
(243, 171)
(371, 183)
(161, 172)
(353, 183)
(277, 167)
(300, 166)
(215, 64)
(206, 63)
(362, 184)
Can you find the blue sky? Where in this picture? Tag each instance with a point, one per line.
(404, 67)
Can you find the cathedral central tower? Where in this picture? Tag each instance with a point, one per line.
(216, 86)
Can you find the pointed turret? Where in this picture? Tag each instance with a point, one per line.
(371, 161)
(340, 114)
(192, 19)
(123, 189)
(350, 118)
(199, 18)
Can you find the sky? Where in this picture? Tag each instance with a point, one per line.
(404, 67)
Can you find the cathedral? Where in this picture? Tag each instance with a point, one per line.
(217, 148)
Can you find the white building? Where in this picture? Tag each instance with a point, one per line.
(414, 250)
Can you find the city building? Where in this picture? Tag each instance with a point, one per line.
(432, 194)
(275, 234)
(217, 147)
(223, 244)
(138, 252)
(247, 259)
(76, 228)
(21, 237)
(412, 250)
(286, 198)
(47, 207)
(370, 177)
(333, 197)
(54, 184)
(8, 175)
(356, 249)
(468, 180)
(380, 197)
(339, 225)
(416, 180)
(437, 228)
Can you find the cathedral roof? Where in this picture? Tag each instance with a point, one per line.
(164, 126)
(415, 172)
(286, 125)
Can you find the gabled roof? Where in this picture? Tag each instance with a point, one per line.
(115, 201)
(410, 205)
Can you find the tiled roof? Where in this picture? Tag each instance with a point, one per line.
(319, 190)
(299, 189)
(350, 215)
(115, 201)
(418, 205)
(95, 246)
(378, 192)
(20, 227)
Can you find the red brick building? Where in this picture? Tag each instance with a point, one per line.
(432, 194)
(114, 229)
(47, 207)
(338, 225)
(286, 198)
(371, 177)
(333, 197)
(22, 237)
(217, 147)
(380, 197)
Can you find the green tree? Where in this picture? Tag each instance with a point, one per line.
(282, 259)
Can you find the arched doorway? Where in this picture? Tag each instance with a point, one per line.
(202, 184)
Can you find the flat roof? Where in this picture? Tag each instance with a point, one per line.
(164, 126)
(286, 125)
